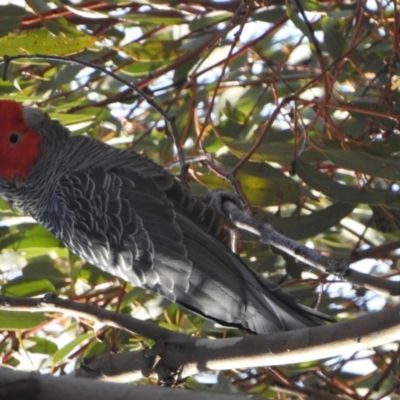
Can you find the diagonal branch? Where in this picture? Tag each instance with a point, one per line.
(309, 256)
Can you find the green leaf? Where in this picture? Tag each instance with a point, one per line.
(262, 184)
(344, 193)
(271, 15)
(354, 128)
(42, 267)
(166, 146)
(42, 42)
(143, 67)
(16, 320)
(95, 348)
(66, 74)
(63, 352)
(310, 5)
(94, 275)
(235, 114)
(10, 17)
(143, 20)
(12, 11)
(281, 153)
(384, 147)
(40, 345)
(370, 164)
(22, 287)
(306, 226)
(383, 114)
(206, 21)
(32, 239)
(334, 40)
(154, 50)
(61, 27)
(70, 119)
(182, 71)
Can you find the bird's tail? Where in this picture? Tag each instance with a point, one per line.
(264, 306)
(271, 309)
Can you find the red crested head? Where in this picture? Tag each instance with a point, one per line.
(19, 141)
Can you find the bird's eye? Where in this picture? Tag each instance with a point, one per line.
(14, 138)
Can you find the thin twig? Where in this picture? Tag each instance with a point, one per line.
(53, 303)
(168, 119)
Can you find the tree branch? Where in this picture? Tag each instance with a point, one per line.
(280, 348)
(187, 355)
(309, 256)
(53, 303)
(31, 385)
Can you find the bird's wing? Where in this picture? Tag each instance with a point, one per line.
(94, 213)
(122, 222)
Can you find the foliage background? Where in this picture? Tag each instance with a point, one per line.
(297, 101)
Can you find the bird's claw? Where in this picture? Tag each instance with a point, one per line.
(166, 376)
(215, 199)
(338, 268)
(48, 298)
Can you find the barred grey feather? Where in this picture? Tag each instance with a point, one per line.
(123, 213)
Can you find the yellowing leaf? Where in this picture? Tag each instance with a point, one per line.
(259, 191)
(41, 42)
(154, 49)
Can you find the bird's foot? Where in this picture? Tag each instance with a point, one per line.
(166, 377)
(216, 198)
(338, 268)
(48, 298)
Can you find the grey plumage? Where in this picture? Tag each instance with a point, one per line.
(126, 215)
